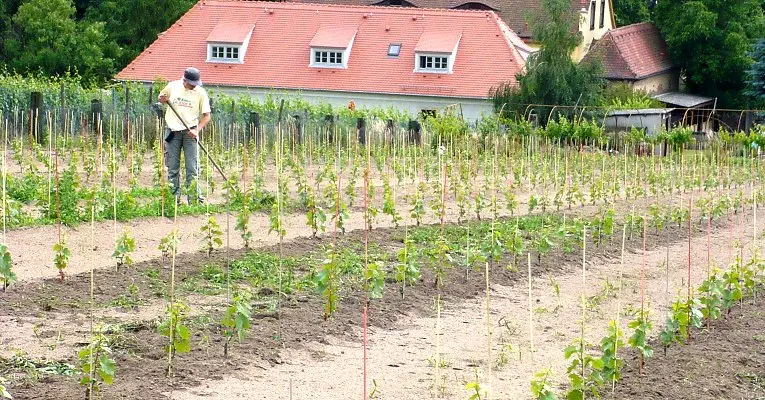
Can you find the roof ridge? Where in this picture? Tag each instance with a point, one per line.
(392, 10)
(633, 27)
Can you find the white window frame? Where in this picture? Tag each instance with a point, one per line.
(327, 55)
(446, 60)
(228, 49)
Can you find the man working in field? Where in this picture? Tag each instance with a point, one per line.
(190, 101)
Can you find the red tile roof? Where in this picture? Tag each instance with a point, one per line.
(278, 54)
(632, 52)
(226, 32)
(515, 13)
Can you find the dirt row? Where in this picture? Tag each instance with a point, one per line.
(293, 354)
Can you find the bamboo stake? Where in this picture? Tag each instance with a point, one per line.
(367, 228)
(584, 286)
(174, 249)
(5, 172)
(531, 309)
(279, 167)
(690, 236)
(114, 193)
(619, 306)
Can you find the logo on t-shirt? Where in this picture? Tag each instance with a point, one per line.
(181, 102)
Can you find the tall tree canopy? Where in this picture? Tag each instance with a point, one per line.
(134, 24)
(756, 76)
(710, 40)
(627, 12)
(94, 38)
(46, 37)
(551, 76)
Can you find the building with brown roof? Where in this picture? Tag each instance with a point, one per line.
(376, 56)
(637, 54)
(593, 17)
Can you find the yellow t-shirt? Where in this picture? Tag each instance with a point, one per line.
(190, 104)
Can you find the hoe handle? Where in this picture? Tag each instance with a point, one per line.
(198, 142)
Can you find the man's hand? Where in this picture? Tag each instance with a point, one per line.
(163, 98)
(193, 133)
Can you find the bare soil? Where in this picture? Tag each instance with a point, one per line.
(724, 362)
(298, 352)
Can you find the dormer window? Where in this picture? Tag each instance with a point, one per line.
(435, 63)
(224, 53)
(227, 43)
(327, 57)
(331, 47)
(436, 51)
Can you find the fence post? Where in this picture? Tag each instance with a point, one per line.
(254, 127)
(414, 131)
(389, 131)
(361, 126)
(127, 113)
(96, 110)
(233, 120)
(63, 110)
(114, 101)
(298, 128)
(35, 109)
(329, 119)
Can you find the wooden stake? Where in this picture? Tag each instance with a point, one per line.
(531, 310)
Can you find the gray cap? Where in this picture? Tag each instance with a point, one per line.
(192, 76)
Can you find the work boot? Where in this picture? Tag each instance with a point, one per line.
(191, 201)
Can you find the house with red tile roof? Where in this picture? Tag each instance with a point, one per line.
(637, 54)
(593, 18)
(409, 59)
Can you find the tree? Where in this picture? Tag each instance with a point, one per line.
(756, 75)
(94, 38)
(134, 24)
(710, 41)
(551, 76)
(46, 38)
(628, 12)
(5, 23)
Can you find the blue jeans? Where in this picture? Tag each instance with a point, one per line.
(181, 140)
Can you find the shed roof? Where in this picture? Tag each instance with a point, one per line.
(685, 100)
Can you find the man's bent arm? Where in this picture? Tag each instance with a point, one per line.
(205, 119)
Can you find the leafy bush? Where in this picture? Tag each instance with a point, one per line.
(96, 365)
(621, 96)
(7, 276)
(447, 129)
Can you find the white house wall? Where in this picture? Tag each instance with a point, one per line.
(472, 109)
(588, 36)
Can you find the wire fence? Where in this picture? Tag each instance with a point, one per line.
(124, 112)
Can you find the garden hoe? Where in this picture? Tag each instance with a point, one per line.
(185, 125)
